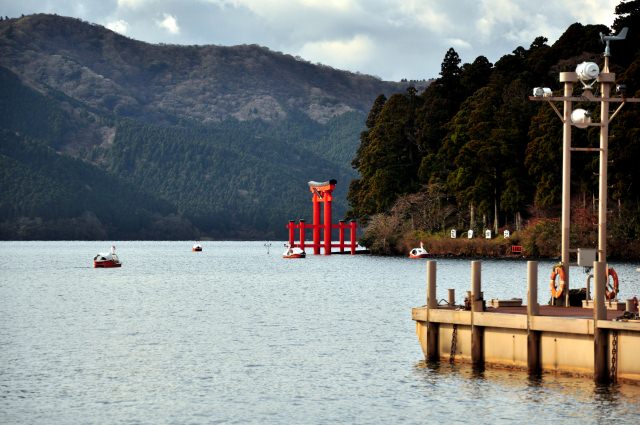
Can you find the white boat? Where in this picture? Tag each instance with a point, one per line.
(107, 260)
(293, 252)
(419, 252)
(196, 247)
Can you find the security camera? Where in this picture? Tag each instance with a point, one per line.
(581, 118)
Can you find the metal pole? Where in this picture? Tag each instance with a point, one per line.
(605, 78)
(568, 78)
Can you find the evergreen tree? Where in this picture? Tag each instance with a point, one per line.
(388, 159)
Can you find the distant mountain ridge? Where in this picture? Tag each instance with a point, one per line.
(206, 83)
(258, 123)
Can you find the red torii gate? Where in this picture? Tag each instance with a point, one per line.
(323, 192)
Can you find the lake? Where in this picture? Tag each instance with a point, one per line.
(234, 334)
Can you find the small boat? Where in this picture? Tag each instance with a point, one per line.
(107, 260)
(293, 252)
(196, 247)
(419, 252)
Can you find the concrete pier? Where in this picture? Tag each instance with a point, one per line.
(536, 339)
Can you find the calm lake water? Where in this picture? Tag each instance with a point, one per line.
(236, 335)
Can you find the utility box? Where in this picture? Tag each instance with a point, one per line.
(586, 257)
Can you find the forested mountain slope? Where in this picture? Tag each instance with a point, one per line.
(223, 138)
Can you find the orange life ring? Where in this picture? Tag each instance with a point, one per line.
(556, 292)
(611, 290)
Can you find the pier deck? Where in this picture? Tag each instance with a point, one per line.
(553, 311)
(537, 338)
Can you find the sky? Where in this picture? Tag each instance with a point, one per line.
(390, 39)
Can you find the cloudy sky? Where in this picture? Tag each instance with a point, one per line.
(391, 39)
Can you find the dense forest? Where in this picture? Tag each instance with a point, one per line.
(227, 180)
(473, 152)
(106, 137)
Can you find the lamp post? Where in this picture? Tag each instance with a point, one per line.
(588, 74)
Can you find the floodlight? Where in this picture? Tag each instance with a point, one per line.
(542, 92)
(581, 118)
(587, 71)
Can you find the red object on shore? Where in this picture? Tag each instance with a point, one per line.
(107, 260)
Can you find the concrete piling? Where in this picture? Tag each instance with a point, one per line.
(477, 332)
(433, 328)
(534, 365)
(600, 335)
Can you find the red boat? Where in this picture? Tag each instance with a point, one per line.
(196, 247)
(107, 260)
(293, 252)
(419, 252)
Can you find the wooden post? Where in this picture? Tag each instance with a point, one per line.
(291, 226)
(433, 354)
(327, 223)
(432, 301)
(600, 335)
(352, 236)
(477, 332)
(534, 364)
(451, 299)
(302, 234)
(316, 224)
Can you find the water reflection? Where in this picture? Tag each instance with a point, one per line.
(548, 397)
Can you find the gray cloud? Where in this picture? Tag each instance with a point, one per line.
(392, 39)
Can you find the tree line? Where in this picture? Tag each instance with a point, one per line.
(472, 152)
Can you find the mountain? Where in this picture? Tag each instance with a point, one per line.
(218, 141)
